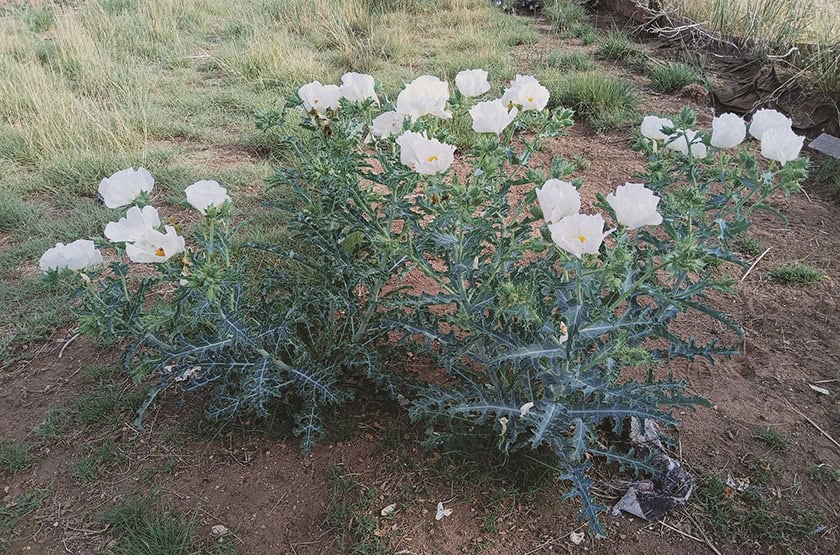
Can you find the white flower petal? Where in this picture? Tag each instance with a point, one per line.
(206, 193)
(386, 124)
(123, 187)
(728, 131)
(134, 225)
(492, 116)
(358, 87)
(558, 199)
(155, 247)
(635, 205)
(525, 91)
(781, 144)
(579, 234)
(766, 119)
(78, 255)
(318, 97)
(423, 155)
(651, 127)
(426, 95)
(472, 82)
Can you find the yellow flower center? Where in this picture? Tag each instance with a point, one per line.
(530, 99)
(581, 238)
(432, 158)
(160, 252)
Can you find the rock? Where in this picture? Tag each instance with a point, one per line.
(219, 530)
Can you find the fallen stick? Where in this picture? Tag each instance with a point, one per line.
(757, 260)
(814, 424)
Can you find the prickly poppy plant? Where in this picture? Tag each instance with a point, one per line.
(539, 326)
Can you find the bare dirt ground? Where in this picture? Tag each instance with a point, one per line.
(275, 499)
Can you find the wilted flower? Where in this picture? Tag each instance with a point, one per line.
(652, 127)
(765, 119)
(425, 95)
(472, 82)
(442, 511)
(526, 91)
(123, 187)
(205, 193)
(677, 142)
(386, 124)
(78, 255)
(133, 226)
(154, 246)
(423, 155)
(579, 234)
(358, 87)
(728, 130)
(492, 116)
(318, 97)
(635, 205)
(781, 144)
(558, 199)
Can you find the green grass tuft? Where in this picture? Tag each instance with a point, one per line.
(824, 474)
(672, 77)
(98, 373)
(827, 171)
(582, 31)
(97, 458)
(605, 101)
(55, 422)
(146, 529)
(571, 61)
(350, 512)
(108, 407)
(750, 246)
(12, 512)
(763, 470)
(801, 274)
(564, 15)
(774, 438)
(750, 514)
(14, 456)
(618, 47)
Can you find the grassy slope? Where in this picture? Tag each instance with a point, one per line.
(173, 85)
(785, 22)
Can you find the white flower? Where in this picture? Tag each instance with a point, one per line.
(579, 234)
(558, 199)
(677, 142)
(423, 155)
(652, 127)
(491, 116)
(386, 124)
(425, 95)
(154, 246)
(728, 130)
(358, 87)
(781, 144)
(527, 92)
(206, 193)
(78, 255)
(123, 187)
(134, 225)
(472, 82)
(764, 119)
(635, 205)
(318, 97)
